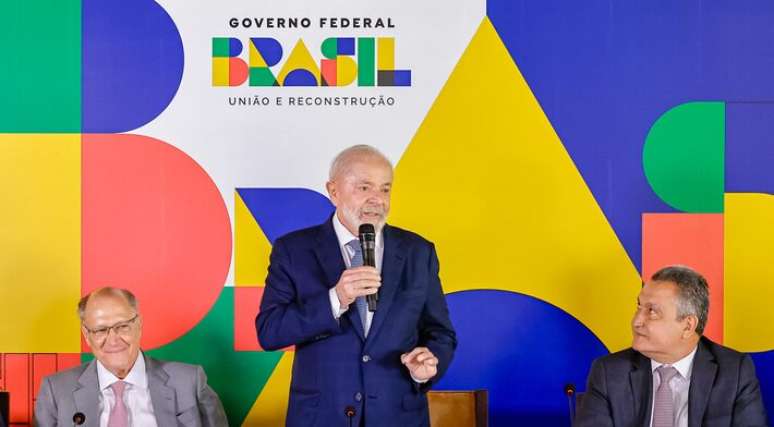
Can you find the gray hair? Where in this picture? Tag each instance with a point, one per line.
(107, 290)
(342, 160)
(693, 292)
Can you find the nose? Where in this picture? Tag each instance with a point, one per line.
(112, 337)
(376, 197)
(639, 319)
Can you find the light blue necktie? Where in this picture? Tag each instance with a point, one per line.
(356, 261)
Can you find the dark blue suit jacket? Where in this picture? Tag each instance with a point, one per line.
(335, 366)
(723, 392)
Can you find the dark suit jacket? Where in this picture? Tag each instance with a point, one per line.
(335, 366)
(179, 394)
(723, 392)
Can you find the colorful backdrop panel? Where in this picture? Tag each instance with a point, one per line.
(556, 152)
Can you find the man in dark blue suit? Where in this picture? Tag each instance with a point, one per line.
(354, 367)
(672, 376)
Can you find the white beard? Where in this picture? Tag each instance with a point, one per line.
(353, 217)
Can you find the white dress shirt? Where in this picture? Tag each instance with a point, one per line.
(344, 236)
(137, 396)
(679, 384)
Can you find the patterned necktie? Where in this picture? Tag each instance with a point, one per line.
(119, 416)
(664, 404)
(356, 261)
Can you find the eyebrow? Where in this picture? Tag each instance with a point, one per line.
(113, 325)
(367, 182)
(653, 306)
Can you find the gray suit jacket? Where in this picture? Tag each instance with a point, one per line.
(179, 394)
(724, 390)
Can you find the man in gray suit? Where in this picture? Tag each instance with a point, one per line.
(122, 387)
(672, 376)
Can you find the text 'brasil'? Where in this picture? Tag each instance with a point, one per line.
(369, 61)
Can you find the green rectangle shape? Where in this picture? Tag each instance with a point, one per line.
(366, 62)
(41, 66)
(220, 47)
(262, 76)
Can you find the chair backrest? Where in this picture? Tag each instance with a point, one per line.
(466, 408)
(4, 408)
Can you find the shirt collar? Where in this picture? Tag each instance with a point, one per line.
(684, 366)
(137, 376)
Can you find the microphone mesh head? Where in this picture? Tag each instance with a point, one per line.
(367, 229)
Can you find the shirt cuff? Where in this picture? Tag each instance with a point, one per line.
(418, 381)
(335, 304)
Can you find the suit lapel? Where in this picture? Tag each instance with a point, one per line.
(86, 395)
(392, 266)
(162, 396)
(328, 253)
(641, 381)
(702, 378)
(329, 257)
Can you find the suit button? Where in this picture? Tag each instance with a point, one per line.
(358, 396)
(366, 358)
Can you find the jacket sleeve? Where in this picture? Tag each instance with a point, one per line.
(285, 318)
(435, 328)
(593, 405)
(45, 406)
(210, 407)
(748, 406)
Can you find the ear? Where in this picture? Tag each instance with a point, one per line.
(691, 321)
(139, 325)
(332, 193)
(85, 335)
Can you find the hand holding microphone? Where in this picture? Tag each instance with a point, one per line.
(356, 282)
(364, 280)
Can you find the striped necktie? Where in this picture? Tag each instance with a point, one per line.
(664, 403)
(356, 260)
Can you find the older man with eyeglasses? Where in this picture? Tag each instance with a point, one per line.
(123, 387)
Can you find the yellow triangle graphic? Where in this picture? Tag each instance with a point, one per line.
(488, 180)
(256, 60)
(251, 247)
(299, 58)
(271, 405)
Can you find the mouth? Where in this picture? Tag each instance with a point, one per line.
(371, 215)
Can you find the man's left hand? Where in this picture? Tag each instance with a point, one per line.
(421, 362)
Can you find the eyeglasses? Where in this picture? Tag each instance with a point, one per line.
(120, 328)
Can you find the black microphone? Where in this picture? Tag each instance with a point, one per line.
(79, 418)
(368, 246)
(569, 391)
(350, 412)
